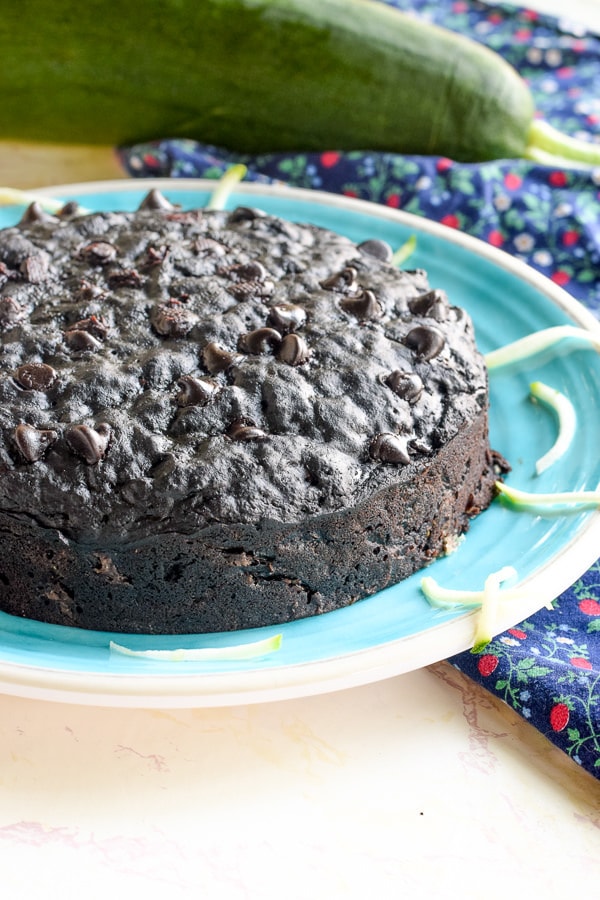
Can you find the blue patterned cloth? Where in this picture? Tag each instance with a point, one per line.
(547, 668)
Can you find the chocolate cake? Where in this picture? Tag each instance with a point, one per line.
(216, 420)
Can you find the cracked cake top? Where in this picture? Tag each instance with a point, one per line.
(189, 367)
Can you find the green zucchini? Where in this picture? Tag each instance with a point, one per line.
(261, 75)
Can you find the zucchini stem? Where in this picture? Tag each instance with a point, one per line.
(549, 146)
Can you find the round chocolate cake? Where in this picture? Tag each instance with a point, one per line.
(218, 420)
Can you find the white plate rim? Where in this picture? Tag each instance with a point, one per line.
(346, 670)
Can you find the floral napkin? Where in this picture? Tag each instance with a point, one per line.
(547, 668)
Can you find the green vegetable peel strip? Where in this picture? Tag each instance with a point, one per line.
(225, 185)
(484, 630)
(567, 422)
(14, 197)
(539, 341)
(486, 601)
(562, 501)
(405, 251)
(449, 598)
(233, 652)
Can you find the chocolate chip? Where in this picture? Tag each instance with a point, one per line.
(259, 340)
(69, 210)
(11, 313)
(217, 358)
(80, 340)
(286, 317)
(377, 249)
(99, 253)
(195, 391)
(245, 430)
(425, 341)
(244, 290)
(154, 199)
(35, 213)
(389, 448)
(87, 334)
(93, 325)
(343, 282)
(34, 268)
(186, 217)
(35, 376)
(419, 446)
(406, 385)
(155, 257)
(89, 443)
(364, 307)
(248, 271)
(87, 290)
(245, 214)
(206, 246)
(33, 442)
(124, 278)
(173, 319)
(433, 305)
(293, 350)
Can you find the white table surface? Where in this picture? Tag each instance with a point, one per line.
(421, 786)
(384, 791)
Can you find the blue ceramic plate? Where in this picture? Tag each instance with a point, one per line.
(396, 630)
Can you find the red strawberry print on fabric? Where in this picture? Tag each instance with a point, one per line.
(589, 606)
(487, 664)
(559, 716)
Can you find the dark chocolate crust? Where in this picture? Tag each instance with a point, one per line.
(212, 421)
